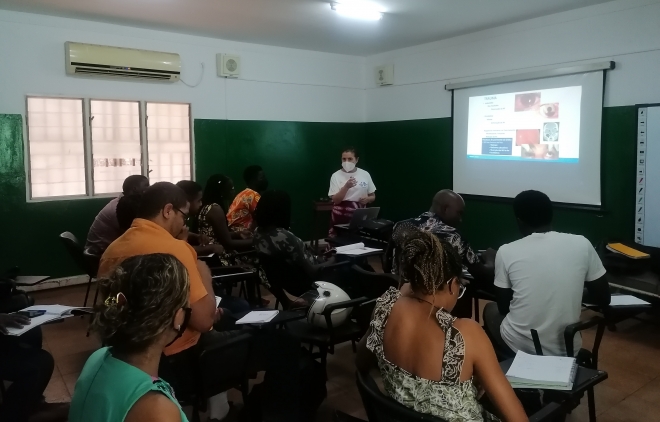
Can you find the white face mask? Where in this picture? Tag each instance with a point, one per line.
(348, 166)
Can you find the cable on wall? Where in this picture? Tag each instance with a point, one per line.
(201, 76)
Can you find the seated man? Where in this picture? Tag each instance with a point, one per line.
(443, 220)
(241, 211)
(29, 368)
(105, 228)
(540, 280)
(160, 219)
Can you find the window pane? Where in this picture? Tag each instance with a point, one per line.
(56, 147)
(168, 142)
(116, 151)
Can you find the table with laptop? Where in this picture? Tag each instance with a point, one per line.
(364, 227)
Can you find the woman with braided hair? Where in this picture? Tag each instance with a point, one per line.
(146, 309)
(429, 360)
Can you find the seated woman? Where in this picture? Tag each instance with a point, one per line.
(146, 309)
(199, 242)
(272, 238)
(212, 223)
(212, 220)
(430, 361)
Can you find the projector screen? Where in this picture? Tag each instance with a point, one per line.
(542, 134)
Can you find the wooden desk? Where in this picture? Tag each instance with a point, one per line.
(318, 207)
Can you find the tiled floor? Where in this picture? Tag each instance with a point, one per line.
(631, 356)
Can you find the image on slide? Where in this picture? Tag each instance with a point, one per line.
(526, 125)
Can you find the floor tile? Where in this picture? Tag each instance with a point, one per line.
(70, 381)
(56, 391)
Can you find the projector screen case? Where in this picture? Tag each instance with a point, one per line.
(542, 134)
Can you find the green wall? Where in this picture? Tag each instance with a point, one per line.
(409, 162)
(30, 230)
(297, 157)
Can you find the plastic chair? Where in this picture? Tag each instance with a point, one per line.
(586, 358)
(284, 277)
(373, 285)
(327, 338)
(84, 260)
(381, 408)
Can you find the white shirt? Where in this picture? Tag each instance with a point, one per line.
(547, 272)
(365, 186)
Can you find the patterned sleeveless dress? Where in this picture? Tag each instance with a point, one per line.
(450, 399)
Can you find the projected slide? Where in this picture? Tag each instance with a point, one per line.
(529, 125)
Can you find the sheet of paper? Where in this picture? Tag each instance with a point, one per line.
(217, 301)
(34, 322)
(627, 300)
(58, 310)
(357, 252)
(344, 249)
(258, 317)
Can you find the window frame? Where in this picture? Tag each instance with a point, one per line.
(88, 148)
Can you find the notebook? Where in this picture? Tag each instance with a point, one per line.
(52, 313)
(627, 251)
(356, 249)
(258, 317)
(542, 372)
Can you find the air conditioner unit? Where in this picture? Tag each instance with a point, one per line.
(117, 62)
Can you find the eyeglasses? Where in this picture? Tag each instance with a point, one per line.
(185, 216)
(461, 287)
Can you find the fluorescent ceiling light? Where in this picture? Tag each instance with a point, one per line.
(358, 10)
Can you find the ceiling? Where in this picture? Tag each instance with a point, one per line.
(306, 24)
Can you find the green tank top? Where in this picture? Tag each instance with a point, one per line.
(108, 388)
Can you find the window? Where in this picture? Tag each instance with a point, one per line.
(81, 147)
(116, 147)
(56, 147)
(168, 136)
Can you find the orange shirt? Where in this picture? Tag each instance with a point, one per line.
(239, 216)
(146, 237)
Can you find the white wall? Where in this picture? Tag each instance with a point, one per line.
(276, 83)
(626, 31)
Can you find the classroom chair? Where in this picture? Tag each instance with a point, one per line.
(220, 368)
(286, 278)
(381, 408)
(371, 284)
(85, 261)
(586, 358)
(325, 339)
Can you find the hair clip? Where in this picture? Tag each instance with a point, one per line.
(119, 300)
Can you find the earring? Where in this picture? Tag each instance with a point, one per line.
(178, 328)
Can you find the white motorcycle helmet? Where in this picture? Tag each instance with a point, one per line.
(327, 293)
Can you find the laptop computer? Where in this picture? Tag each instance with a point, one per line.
(361, 215)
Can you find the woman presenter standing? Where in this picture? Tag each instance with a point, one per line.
(350, 188)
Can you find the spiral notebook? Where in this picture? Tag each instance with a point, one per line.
(542, 372)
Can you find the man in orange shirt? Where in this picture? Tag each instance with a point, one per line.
(239, 216)
(161, 218)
